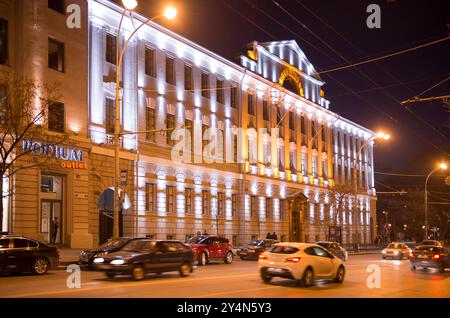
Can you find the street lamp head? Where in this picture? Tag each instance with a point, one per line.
(129, 4)
(382, 135)
(443, 166)
(170, 13)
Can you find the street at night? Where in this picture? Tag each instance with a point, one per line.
(240, 279)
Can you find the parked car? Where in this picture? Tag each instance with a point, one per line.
(336, 249)
(396, 250)
(303, 262)
(208, 248)
(21, 254)
(431, 243)
(429, 256)
(255, 248)
(87, 256)
(141, 256)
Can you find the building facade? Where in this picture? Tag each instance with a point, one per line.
(234, 149)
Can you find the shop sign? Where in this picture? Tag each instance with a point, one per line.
(71, 158)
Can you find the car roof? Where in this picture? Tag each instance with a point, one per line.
(297, 244)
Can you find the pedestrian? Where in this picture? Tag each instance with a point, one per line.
(268, 236)
(54, 228)
(199, 233)
(205, 233)
(274, 236)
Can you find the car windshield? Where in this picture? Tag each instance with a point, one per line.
(428, 248)
(256, 243)
(139, 246)
(394, 245)
(196, 239)
(326, 245)
(113, 243)
(282, 249)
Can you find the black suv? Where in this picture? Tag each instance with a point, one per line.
(255, 248)
(142, 256)
(21, 254)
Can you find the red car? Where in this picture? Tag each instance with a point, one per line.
(207, 248)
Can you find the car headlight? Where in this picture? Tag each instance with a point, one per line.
(99, 260)
(383, 251)
(117, 262)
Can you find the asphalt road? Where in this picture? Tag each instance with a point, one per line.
(240, 279)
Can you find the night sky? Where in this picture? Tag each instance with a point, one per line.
(368, 95)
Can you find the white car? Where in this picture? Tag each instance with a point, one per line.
(304, 262)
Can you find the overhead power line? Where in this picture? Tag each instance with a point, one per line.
(384, 56)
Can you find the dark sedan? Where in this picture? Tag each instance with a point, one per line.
(255, 248)
(428, 256)
(335, 249)
(142, 256)
(113, 245)
(20, 254)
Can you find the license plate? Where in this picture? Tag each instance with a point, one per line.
(422, 256)
(275, 270)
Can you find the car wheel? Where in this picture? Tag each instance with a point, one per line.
(228, 258)
(185, 269)
(138, 273)
(265, 277)
(308, 277)
(400, 257)
(413, 268)
(40, 266)
(202, 259)
(110, 274)
(340, 275)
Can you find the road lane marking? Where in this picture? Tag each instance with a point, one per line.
(128, 285)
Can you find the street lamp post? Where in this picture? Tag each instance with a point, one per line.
(441, 166)
(129, 5)
(374, 136)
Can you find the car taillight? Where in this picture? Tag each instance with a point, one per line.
(262, 256)
(293, 259)
(436, 256)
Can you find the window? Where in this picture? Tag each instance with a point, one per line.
(20, 243)
(253, 206)
(221, 203)
(170, 123)
(170, 70)
(279, 122)
(233, 205)
(3, 41)
(291, 121)
(47, 183)
(150, 62)
(55, 55)
(283, 209)
(150, 197)
(269, 209)
(57, 5)
(303, 164)
(314, 166)
(205, 85)
(233, 96)
(293, 160)
(4, 243)
(219, 91)
(187, 77)
(110, 53)
(110, 116)
(56, 117)
(189, 201)
(150, 123)
(170, 197)
(251, 104)
(206, 201)
(266, 110)
(190, 130)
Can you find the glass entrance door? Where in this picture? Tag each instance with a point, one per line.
(51, 221)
